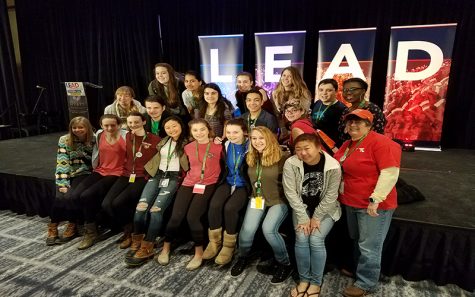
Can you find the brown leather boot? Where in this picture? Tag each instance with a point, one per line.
(214, 245)
(52, 234)
(90, 236)
(226, 254)
(68, 234)
(145, 253)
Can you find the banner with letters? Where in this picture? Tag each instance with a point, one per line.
(221, 61)
(77, 100)
(416, 84)
(343, 54)
(274, 52)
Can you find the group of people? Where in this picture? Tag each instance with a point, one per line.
(225, 178)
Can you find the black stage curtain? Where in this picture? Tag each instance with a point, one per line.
(419, 251)
(117, 43)
(9, 87)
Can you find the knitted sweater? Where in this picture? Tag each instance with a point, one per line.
(72, 162)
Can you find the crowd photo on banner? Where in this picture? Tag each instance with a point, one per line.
(253, 168)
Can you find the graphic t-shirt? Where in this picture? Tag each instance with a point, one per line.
(312, 184)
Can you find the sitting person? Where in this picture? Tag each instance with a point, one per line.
(215, 109)
(166, 170)
(256, 116)
(73, 165)
(124, 103)
(267, 207)
(311, 179)
(231, 196)
(191, 201)
(156, 114)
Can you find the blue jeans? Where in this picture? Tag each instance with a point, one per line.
(156, 200)
(370, 233)
(310, 251)
(271, 218)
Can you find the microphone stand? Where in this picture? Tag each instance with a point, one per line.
(38, 100)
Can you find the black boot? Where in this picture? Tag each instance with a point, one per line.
(239, 267)
(281, 274)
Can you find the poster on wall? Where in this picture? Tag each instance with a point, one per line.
(274, 52)
(77, 100)
(416, 84)
(343, 54)
(221, 61)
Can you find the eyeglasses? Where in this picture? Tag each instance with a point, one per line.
(351, 90)
(291, 110)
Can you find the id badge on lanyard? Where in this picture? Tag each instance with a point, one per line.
(199, 188)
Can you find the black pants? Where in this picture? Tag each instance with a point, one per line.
(119, 203)
(232, 204)
(193, 206)
(65, 205)
(91, 193)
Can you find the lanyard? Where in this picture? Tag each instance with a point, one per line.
(319, 116)
(138, 152)
(203, 164)
(169, 154)
(249, 120)
(347, 151)
(155, 125)
(259, 175)
(236, 163)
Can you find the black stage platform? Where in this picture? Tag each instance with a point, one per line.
(433, 239)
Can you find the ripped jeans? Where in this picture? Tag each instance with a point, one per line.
(153, 202)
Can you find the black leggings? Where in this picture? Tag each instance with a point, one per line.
(119, 203)
(193, 206)
(65, 205)
(232, 204)
(91, 193)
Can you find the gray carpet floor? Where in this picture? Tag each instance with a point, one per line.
(30, 268)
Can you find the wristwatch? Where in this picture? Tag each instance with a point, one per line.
(371, 200)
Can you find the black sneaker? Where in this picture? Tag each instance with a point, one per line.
(268, 267)
(282, 273)
(239, 267)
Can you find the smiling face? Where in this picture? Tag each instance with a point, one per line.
(327, 93)
(200, 132)
(124, 99)
(254, 102)
(110, 126)
(79, 130)
(258, 141)
(286, 79)
(293, 113)
(308, 152)
(235, 134)
(135, 123)
(192, 83)
(162, 75)
(357, 128)
(154, 109)
(211, 95)
(244, 83)
(173, 129)
(353, 92)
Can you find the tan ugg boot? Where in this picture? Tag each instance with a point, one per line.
(226, 254)
(214, 245)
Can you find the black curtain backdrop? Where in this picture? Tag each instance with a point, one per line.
(116, 43)
(9, 87)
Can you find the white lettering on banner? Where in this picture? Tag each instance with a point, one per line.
(271, 63)
(403, 48)
(215, 76)
(345, 52)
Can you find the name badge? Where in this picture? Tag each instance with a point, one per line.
(257, 202)
(164, 182)
(199, 189)
(138, 154)
(132, 178)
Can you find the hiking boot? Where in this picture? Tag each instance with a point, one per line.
(90, 236)
(68, 234)
(52, 234)
(142, 255)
